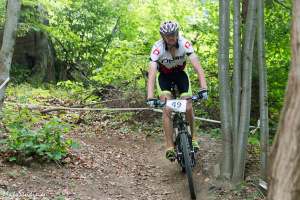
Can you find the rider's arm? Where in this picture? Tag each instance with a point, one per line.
(151, 79)
(199, 70)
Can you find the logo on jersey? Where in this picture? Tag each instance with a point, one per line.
(171, 61)
(187, 45)
(156, 52)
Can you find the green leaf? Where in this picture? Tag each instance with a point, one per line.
(75, 145)
(253, 140)
(57, 155)
(11, 159)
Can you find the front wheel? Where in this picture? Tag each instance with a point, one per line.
(187, 163)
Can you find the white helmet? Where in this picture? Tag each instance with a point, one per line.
(169, 28)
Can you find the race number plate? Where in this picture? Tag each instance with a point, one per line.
(177, 105)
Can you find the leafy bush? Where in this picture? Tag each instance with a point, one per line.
(46, 142)
(75, 90)
(73, 87)
(20, 73)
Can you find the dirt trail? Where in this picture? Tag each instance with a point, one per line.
(109, 165)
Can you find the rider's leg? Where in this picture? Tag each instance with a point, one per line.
(168, 130)
(164, 83)
(167, 123)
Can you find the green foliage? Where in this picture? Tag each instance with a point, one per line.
(81, 30)
(214, 133)
(2, 13)
(76, 90)
(278, 55)
(25, 93)
(253, 139)
(25, 139)
(109, 41)
(19, 74)
(130, 51)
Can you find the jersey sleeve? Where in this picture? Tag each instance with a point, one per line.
(155, 53)
(188, 47)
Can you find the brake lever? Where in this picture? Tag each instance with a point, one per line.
(161, 103)
(195, 98)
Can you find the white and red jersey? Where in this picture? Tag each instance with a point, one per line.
(167, 64)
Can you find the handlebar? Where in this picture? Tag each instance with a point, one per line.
(159, 103)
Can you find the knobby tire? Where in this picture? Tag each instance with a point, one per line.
(187, 163)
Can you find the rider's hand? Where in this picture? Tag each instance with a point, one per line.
(203, 94)
(151, 102)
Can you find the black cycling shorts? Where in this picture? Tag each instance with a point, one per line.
(180, 79)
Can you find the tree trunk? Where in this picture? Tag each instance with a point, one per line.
(285, 156)
(236, 82)
(225, 99)
(44, 69)
(263, 95)
(244, 10)
(239, 162)
(8, 42)
(255, 85)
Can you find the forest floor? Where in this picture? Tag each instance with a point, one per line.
(122, 158)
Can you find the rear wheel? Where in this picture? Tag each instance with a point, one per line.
(187, 163)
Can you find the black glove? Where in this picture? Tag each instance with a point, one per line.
(152, 102)
(202, 94)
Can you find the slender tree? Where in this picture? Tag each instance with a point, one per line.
(225, 99)
(239, 162)
(285, 157)
(8, 42)
(264, 126)
(236, 82)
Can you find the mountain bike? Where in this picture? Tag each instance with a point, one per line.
(185, 154)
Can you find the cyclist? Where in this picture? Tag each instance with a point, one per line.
(168, 57)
